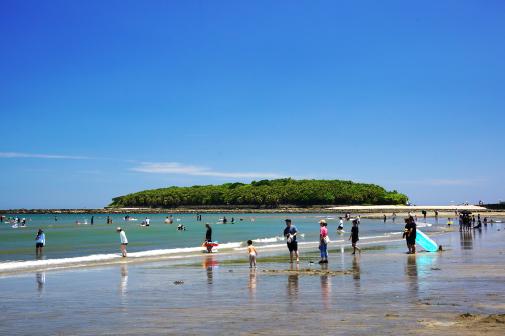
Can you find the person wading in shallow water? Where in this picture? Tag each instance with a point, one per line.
(208, 238)
(124, 240)
(355, 236)
(323, 241)
(410, 234)
(40, 242)
(290, 233)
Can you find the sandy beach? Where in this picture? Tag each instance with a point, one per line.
(382, 291)
(370, 211)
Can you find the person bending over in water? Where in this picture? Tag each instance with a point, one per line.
(354, 236)
(124, 240)
(251, 250)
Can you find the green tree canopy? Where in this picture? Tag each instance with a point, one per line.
(264, 193)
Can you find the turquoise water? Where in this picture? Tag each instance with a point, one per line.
(384, 292)
(64, 238)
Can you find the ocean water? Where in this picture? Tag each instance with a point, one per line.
(383, 292)
(66, 239)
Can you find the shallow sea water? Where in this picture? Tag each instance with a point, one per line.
(383, 291)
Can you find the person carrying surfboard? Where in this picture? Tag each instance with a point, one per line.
(410, 234)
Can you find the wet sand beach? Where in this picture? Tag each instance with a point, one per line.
(383, 291)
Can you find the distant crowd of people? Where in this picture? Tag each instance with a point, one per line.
(467, 222)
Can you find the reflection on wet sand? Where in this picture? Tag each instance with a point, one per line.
(325, 287)
(411, 273)
(466, 240)
(41, 281)
(123, 284)
(209, 263)
(293, 284)
(356, 271)
(479, 232)
(252, 284)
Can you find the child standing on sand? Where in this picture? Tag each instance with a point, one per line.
(251, 250)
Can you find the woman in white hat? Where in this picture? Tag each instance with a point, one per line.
(124, 240)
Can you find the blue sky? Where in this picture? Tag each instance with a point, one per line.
(102, 98)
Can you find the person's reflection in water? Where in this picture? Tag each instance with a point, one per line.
(123, 284)
(209, 263)
(356, 272)
(41, 281)
(325, 287)
(252, 284)
(411, 273)
(293, 283)
(466, 240)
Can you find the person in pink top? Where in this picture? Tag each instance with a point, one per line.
(323, 241)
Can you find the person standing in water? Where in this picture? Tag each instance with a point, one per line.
(340, 227)
(290, 233)
(323, 241)
(354, 236)
(384, 218)
(124, 240)
(410, 235)
(208, 238)
(92, 220)
(251, 250)
(40, 242)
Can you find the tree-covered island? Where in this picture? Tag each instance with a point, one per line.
(264, 194)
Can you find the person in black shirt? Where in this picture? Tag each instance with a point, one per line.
(290, 233)
(410, 234)
(354, 236)
(208, 234)
(208, 238)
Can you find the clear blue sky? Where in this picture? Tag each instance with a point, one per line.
(102, 98)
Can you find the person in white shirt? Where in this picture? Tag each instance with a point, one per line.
(124, 240)
(340, 227)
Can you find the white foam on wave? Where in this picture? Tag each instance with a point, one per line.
(268, 240)
(102, 258)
